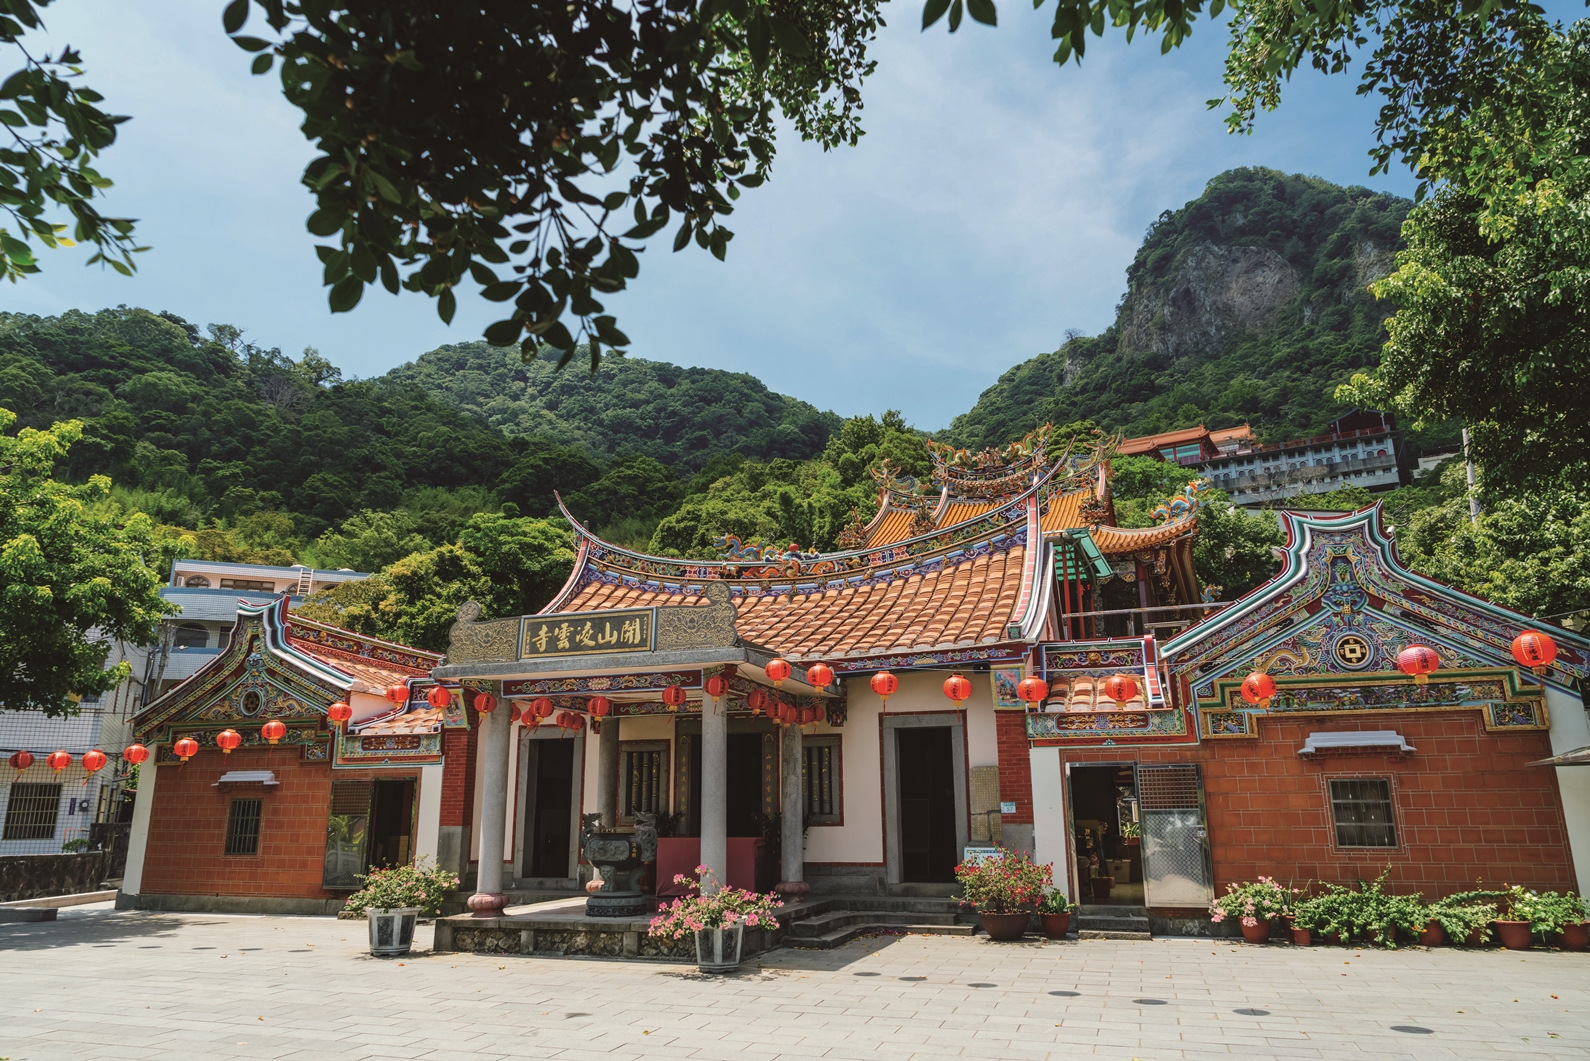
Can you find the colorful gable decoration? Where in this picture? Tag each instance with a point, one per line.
(280, 666)
(1328, 630)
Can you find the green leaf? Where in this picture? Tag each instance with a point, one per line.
(683, 237)
(955, 15)
(983, 11)
(324, 223)
(346, 294)
(251, 44)
(757, 36)
(933, 11)
(792, 40)
(446, 305)
(234, 16)
(504, 333)
(262, 64)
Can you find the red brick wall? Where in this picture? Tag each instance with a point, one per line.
(1015, 767)
(187, 827)
(1467, 806)
(458, 773)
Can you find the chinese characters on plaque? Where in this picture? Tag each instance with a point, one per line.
(587, 634)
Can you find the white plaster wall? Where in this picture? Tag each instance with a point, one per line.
(1049, 814)
(138, 839)
(427, 832)
(860, 839)
(367, 705)
(1570, 729)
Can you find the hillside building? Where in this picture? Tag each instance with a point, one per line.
(1360, 449)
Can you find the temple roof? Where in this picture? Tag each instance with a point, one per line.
(972, 585)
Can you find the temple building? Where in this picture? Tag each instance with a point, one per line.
(850, 723)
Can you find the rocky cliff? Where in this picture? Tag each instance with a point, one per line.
(1247, 304)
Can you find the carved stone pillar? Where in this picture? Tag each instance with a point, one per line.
(489, 898)
(793, 887)
(715, 787)
(607, 772)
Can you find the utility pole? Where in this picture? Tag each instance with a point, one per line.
(1468, 465)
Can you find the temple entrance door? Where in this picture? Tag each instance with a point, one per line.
(550, 788)
(392, 823)
(1176, 869)
(927, 804)
(744, 784)
(1106, 833)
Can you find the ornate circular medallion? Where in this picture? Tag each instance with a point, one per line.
(1353, 652)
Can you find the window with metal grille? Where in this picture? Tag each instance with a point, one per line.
(242, 827)
(643, 773)
(31, 812)
(824, 802)
(1361, 808)
(191, 635)
(248, 583)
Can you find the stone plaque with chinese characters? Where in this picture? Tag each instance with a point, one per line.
(587, 634)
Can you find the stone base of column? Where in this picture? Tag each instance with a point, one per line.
(487, 904)
(793, 891)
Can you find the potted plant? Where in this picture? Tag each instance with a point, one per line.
(392, 900)
(1464, 917)
(1132, 834)
(1255, 904)
(1512, 923)
(1550, 913)
(717, 920)
(1004, 889)
(1054, 914)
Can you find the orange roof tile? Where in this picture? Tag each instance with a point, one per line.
(414, 720)
(1148, 443)
(1115, 540)
(960, 511)
(895, 526)
(938, 604)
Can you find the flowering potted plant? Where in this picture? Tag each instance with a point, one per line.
(1547, 914)
(1054, 914)
(1132, 834)
(1255, 904)
(1004, 889)
(717, 920)
(394, 899)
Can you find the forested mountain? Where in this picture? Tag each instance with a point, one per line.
(681, 417)
(1248, 304)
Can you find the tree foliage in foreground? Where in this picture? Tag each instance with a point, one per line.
(52, 132)
(71, 581)
(534, 148)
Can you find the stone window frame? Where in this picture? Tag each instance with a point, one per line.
(835, 742)
(1398, 836)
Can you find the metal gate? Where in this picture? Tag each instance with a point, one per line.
(1176, 869)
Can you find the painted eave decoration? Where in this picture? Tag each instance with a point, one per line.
(280, 666)
(1078, 713)
(1329, 627)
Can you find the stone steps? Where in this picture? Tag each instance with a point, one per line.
(1103, 921)
(825, 923)
(844, 935)
(821, 924)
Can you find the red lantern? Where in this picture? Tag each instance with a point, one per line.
(1418, 661)
(717, 686)
(398, 694)
(819, 713)
(599, 706)
(94, 760)
(807, 716)
(186, 748)
(339, 712)
(485, 703)
(778, 670)
(58, 761)
(441, 696)
(1535, 650)
(135, 754)
(756, 700)
(542, 706)
(820, 675)
(1120, 688)
(1258, 688)
(273, 731)
(21, 760)
(1033, 692)
(514, 714)
(674, 696)
(958, 689)
(228, 739)
(885, 684)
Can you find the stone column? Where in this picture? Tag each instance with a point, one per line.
(607, 772)
(793, 887)
(489, 898)
(715, 786)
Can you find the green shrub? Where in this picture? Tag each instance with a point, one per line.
(1546, 912)
(413, 885)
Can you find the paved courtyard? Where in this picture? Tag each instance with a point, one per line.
(101, 984)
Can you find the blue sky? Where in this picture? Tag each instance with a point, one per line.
(994, 203)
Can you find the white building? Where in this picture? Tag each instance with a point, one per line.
(42, 809)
